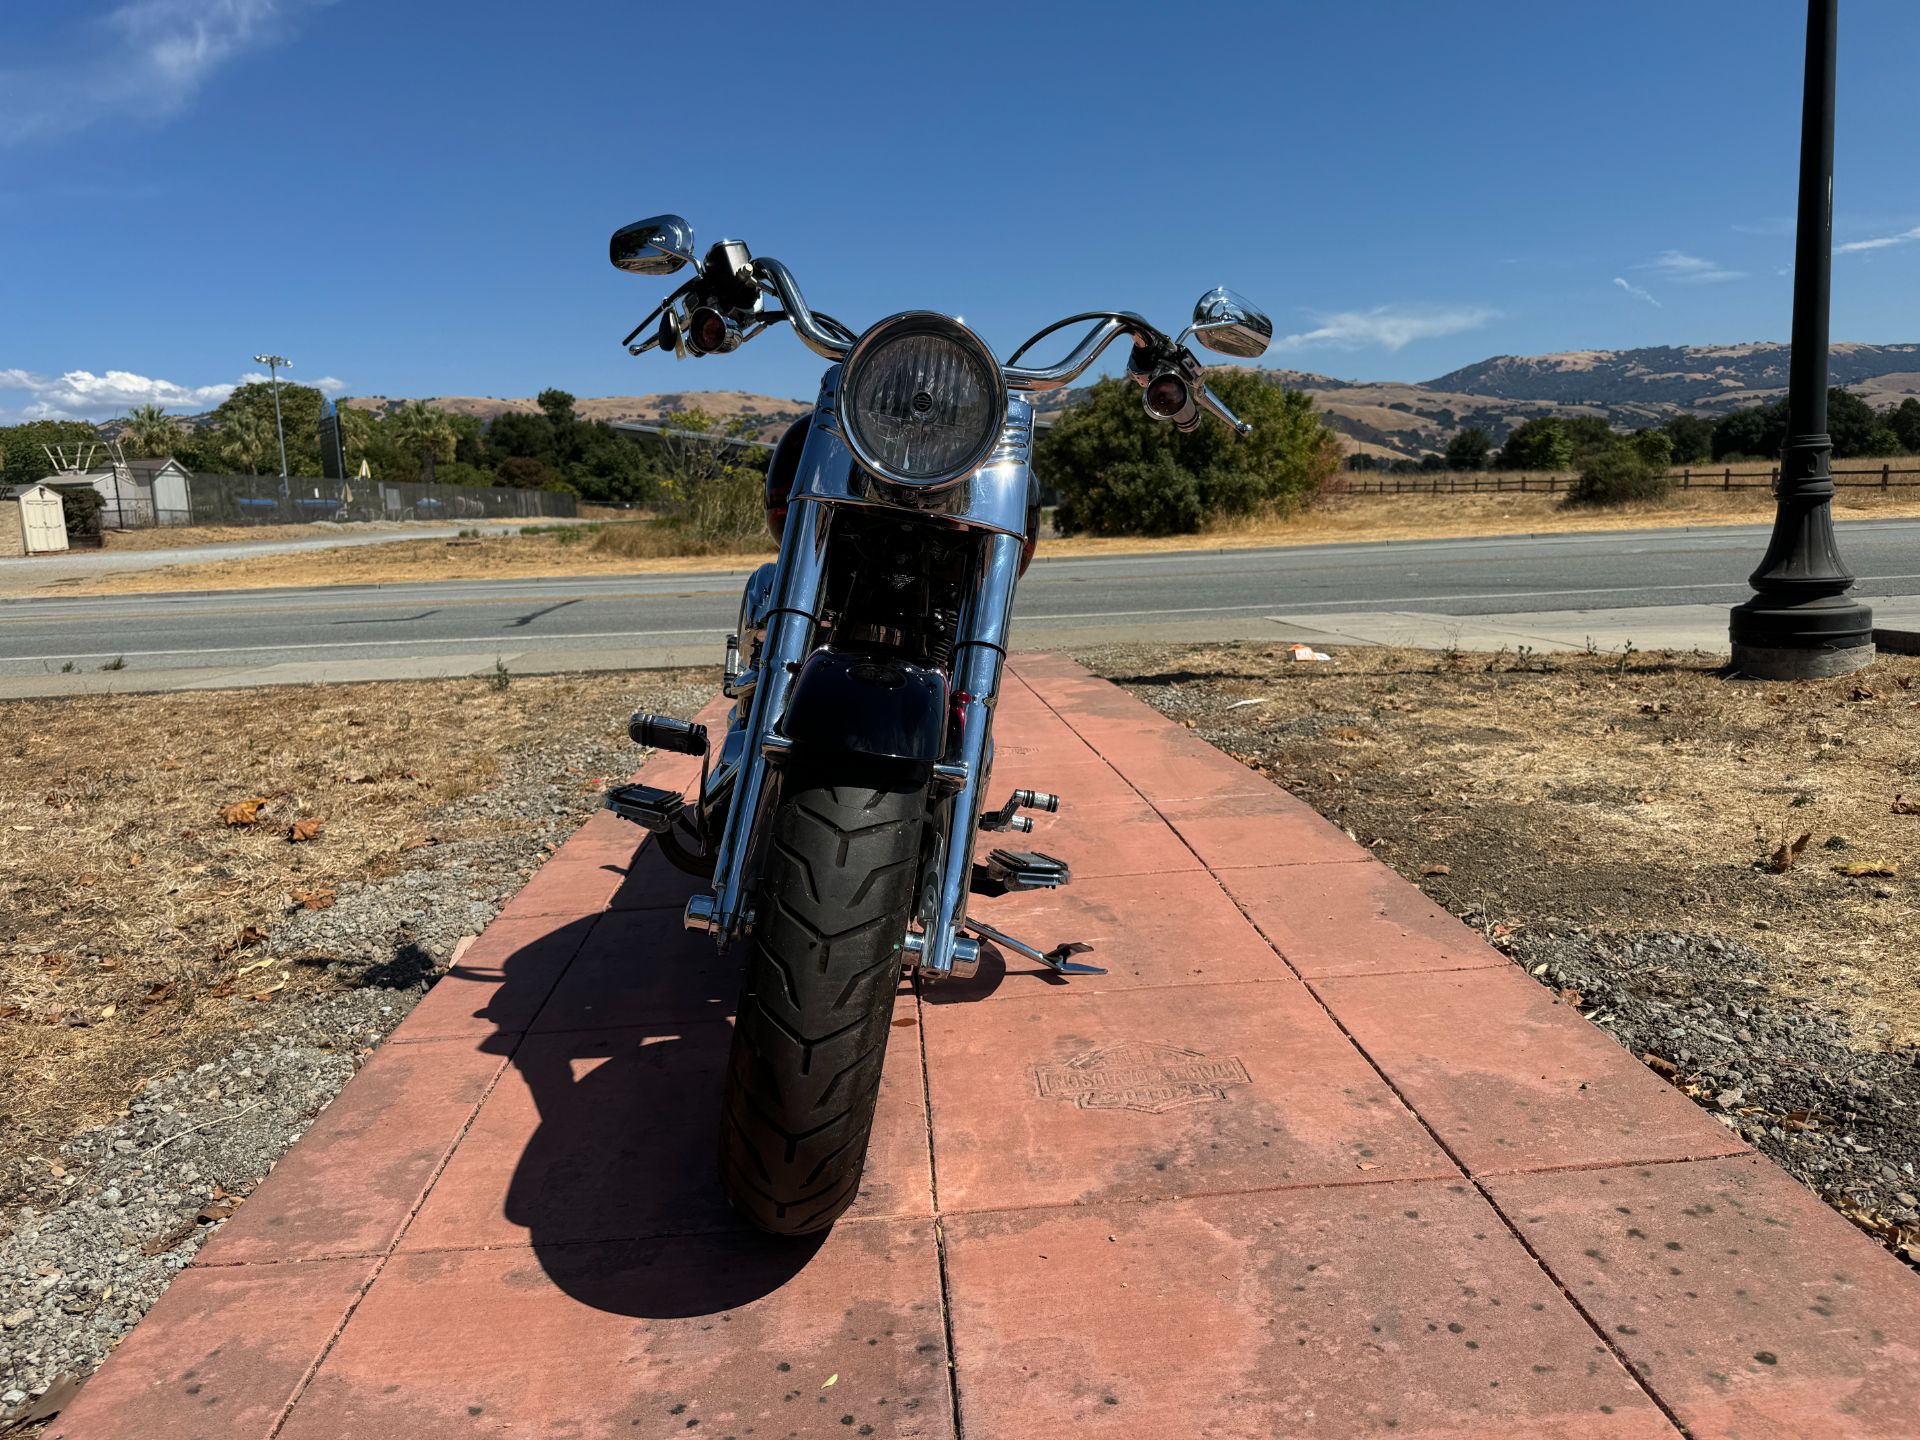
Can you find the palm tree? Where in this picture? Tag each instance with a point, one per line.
(426, 432)
(247, 441)
(151, 431)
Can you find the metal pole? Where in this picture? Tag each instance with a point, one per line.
(1800, 625)
(274, 364)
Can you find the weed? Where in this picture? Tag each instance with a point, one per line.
(119, 662)
(1627, 652)
(501, 677)
(67, 669)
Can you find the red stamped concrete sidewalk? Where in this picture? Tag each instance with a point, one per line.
(1310, 1161)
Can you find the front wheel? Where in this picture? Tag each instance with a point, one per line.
(823, 966)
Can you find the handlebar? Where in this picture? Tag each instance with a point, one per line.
(831, 340)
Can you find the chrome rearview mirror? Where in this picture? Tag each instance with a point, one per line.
(658, 246)
(1229, 324)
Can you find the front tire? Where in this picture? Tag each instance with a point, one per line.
(816, 1003)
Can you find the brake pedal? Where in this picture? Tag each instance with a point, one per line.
(663, 732)
(1027, 870)
(647, 806)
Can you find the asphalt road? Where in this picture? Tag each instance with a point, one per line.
(670, 619)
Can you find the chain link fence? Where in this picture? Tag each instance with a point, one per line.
(265, 500)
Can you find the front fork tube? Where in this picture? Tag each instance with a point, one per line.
(792, 618)
(980, 656)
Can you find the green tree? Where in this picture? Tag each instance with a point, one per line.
(1541, 444)
(1469, 449)
(1904, 421)
(299, 412)
(1692, 437)
(150, 431)
(1121, 472)
(22, 456)
(557, 406)
(248, 444)
(425, 433)
(1858, 430)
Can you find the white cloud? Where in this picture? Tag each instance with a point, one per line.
(145, 59)
(1636, 291)
(1685, 269)
(1390, 326)
(1879, 242)
(83, 395)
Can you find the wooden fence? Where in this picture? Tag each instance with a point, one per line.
(1492, 482)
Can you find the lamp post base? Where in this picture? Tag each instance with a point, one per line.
(1776, 639)
(1766, 662)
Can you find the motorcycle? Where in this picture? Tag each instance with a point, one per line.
(837, 820)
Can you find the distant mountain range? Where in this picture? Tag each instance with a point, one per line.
(1628, 388)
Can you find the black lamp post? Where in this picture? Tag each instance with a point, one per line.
(1800, 625)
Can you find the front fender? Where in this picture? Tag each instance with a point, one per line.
(860, 705)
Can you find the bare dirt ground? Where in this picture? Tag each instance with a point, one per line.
(591, 552)
(156, 847)
(1720, 873)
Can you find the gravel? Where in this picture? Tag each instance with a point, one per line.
(138, 1197)
(1787, 1076)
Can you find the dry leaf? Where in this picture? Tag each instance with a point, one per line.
(304, 830)
(1905, 807)
(243, 812)
(1571, 997)
(214, 1210)
(269, 992)
(1660, 1066)
(133, 861)
(1788, 852)
(1859, 868)
(1438, 870)
(1367, 1164)
(254, 965)
(171, 764)
(831, 1379)
(318, 898)
(163, 991)
(249, 935)
(106, 1012)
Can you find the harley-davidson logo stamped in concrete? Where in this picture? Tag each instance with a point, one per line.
(1140, 1076)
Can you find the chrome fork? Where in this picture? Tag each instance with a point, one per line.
(979, 660)
(792, 617)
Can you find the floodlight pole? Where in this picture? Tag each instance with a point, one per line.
(275, 364)
(1800, 625)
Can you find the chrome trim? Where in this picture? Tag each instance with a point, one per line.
(1230, 324)
(994, 497)
(1052, 377)
(813, 334)
(878, 335)
(966, 955)
(978, 662)
(699, 914)
(792, 615)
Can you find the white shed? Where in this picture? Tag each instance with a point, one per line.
(32, 520)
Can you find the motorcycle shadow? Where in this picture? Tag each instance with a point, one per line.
(615, 1185)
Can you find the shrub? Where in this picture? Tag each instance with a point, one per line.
(82, 505)
(1120, 472)
(1633, 467)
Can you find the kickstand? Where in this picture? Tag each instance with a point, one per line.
(1055, 959)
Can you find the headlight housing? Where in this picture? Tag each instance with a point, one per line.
(922, 400)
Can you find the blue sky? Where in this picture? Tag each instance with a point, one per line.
(414, 198)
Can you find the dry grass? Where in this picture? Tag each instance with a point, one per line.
(180, 537)
(1627, 792)
(131, 915)
(652, 545)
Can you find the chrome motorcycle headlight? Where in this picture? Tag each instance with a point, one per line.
(922, 400)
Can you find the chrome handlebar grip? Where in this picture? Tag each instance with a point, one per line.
(1212, 403)
(815, 336)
